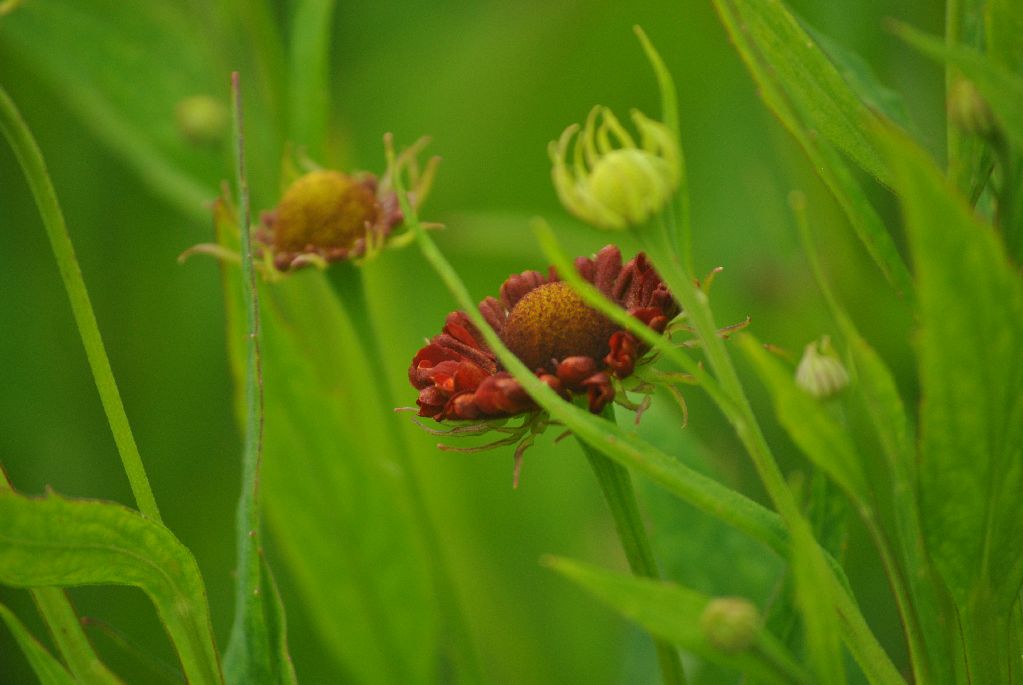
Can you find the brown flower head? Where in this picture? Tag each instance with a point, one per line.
(329, 216)
(326, 216)
(570, 346)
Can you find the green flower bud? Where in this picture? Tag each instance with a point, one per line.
(202, 120)
(611, 182)
(730, 624)
(820, 372)
(969, 111)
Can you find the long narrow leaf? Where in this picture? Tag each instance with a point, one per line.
(810, 81)
(673, 613)
(971, 342)
(839, 179)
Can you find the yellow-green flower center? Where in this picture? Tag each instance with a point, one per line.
(323, 209)
(552, 322)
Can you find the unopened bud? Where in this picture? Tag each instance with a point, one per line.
(201, 119)
(611, 181)
(730, 624)
(820, 372)
(969, 111)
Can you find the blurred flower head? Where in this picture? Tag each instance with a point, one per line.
(730, 624)
(608, 180)
(326, 216)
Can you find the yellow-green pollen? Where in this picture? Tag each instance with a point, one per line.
(552, 322)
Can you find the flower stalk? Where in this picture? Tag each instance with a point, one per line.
(616, 484)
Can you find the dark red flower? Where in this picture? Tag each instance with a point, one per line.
(572, 347)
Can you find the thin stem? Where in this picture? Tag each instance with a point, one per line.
(248, 647)
(32, 164)
(616, 484)
(348, 283)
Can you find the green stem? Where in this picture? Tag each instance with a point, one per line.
(861, 641)
(248, 649)
(348, 283)
(32, 164)
(69, 638)
(616, 484)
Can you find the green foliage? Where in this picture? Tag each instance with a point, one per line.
(47, 669)
(58, 541)
(673, 612)
(875, 531)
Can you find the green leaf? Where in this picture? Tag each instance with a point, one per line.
(1003, 26)
(810, 82)
(46, 667)
(673, 612)
(875, 394)
(130, 106)
(861, 78)
(971, 464)
(971, 343)
(1002, 88)
(255, 647)
(63, 623)
(63, 542)
(821, 438)
(331, 488)
(826, 161)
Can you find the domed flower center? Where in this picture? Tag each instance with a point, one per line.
(323, 209)
(551, 323)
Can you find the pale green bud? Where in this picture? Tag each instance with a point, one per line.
(202, 120)
(611, 181)
(730, 624)
(820, 372)
(969, 111)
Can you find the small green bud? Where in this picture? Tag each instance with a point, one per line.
(730, 624)
(202, 120)
(611, 182)
(820, 372)
(969, 111)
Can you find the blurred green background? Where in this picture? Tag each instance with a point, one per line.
(491, 83)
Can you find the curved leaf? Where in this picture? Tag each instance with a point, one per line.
(64, 542)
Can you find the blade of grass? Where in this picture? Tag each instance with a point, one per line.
(31, 160)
